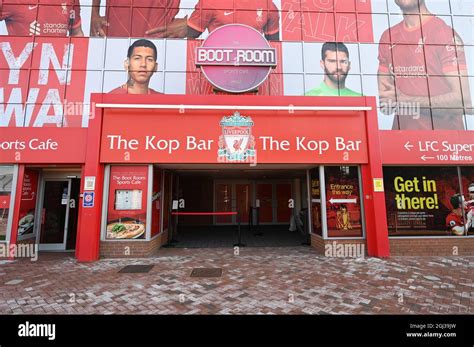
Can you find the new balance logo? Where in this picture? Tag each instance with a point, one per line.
(421, 42)
(35, 28)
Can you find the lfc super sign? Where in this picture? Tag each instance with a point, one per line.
(236, 142)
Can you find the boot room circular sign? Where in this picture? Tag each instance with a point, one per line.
(236, 58)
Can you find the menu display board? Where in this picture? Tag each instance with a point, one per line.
(126, 215)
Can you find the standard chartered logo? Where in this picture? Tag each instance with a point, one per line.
(48, 28)
(55, 28)
(35, 28)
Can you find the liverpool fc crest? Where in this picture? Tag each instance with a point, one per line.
(236, 142)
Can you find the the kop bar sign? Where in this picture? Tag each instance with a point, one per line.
(236, 58)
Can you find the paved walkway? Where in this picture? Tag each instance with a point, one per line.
(258, 281)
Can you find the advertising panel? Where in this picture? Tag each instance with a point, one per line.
(29, 194)
(427, 201)
(343, 205)
(126, 213)
(6, 180)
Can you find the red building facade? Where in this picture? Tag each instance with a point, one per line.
(358, 113)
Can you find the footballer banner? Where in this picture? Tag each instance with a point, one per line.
(54, 54)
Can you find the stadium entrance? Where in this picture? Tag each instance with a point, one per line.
(215, 206)
(190, 168)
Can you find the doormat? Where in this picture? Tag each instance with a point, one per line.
(206, 272)
(136, 269)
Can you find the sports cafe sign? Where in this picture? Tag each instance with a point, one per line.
(236, 58)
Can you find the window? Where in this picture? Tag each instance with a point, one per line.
(316, 202)
(127, 207)
(6, 182)
(426, 201)
(343, 206)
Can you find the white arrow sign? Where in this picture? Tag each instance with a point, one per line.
(343, 201)
(425, 158)
(408, 146)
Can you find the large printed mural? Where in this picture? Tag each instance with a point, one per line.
(413, 55)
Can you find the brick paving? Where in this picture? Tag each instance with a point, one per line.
(292, 280)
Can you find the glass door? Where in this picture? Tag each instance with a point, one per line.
(265, 197)
(224, 200)
(55, 205)
(243, 193)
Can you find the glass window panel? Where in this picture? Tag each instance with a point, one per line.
(369, 64)
(293, 84)
(380, 24)
(344, 215)
(175, 57)
(316, 214)
(292, 57)
(291, 23)
(127, 207)
(464, 7)
(116, 53)
(6, 181)
(467, 177)
(463, 26)
(401, 34)
(410, 117)
(175, 82)
(448, 119)
(438, 6)
(418, 199)
(445, 92)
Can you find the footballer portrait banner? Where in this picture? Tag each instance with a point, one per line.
(227, 137)
(413, 56)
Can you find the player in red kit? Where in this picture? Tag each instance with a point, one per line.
(261, 15)
(470, 189)
(454, 220)
(141, 65)
(124, 19)
(42, 17)
(422, 45)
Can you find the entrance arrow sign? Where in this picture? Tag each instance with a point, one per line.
(343, 201)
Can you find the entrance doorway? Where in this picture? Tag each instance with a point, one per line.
(270, 202)
(58, 213)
